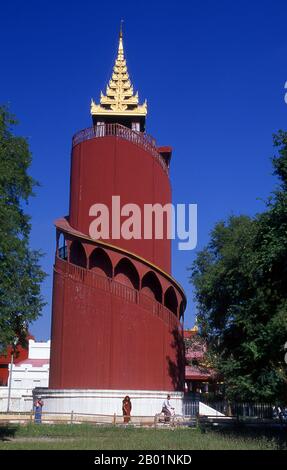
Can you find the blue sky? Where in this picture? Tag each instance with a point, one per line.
(213, 73)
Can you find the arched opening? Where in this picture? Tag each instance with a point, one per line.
(170, 300)
(62, 247)
(151, 286)
(100, 263)
(126, 273)
(181, 309)
(77, 254)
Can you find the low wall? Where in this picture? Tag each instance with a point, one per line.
(21, 400)
(106, 402)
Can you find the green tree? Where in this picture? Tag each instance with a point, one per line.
(21, 275)
(240, 281)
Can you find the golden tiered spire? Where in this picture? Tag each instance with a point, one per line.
(195, 328)
(119, 98)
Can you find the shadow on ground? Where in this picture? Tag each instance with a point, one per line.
(277, 436)
(7, 432)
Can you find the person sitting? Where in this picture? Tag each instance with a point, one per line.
(167, 409)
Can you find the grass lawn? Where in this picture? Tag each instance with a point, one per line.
(84, 436)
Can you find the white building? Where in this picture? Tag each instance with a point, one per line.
(26, 375)
(33, 371)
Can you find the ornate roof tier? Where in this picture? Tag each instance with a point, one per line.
(120, 99)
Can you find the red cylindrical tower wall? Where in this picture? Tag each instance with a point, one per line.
(116, 309)
(109, 336)
(110, 165)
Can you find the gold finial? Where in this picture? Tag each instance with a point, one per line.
(119, 98)
(121, 46)
(195, 328)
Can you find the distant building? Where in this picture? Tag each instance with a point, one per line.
(30, 372)
(33, 371)
(199, 376)
(5, 359)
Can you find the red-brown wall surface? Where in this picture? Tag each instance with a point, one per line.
(102, 340)
(107, 166)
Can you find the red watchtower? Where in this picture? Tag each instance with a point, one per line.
(117, 311)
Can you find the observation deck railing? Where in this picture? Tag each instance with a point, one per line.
(122, 291)
(140, 139)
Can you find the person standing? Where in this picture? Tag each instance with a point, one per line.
(127, 407)
(38, 405)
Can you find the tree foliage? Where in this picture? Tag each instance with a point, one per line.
(21, 275)
(241, 291)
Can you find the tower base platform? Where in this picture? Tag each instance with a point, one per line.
(106, 402)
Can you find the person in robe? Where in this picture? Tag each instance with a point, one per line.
(127, 407)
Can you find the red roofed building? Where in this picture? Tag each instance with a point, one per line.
(30, 370)
(34, 370)
(5, 359)
(198, 375)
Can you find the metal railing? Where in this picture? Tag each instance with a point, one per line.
(241, 409)
(140, 139)
(230, 409)
(190, 408)
(126, 293)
